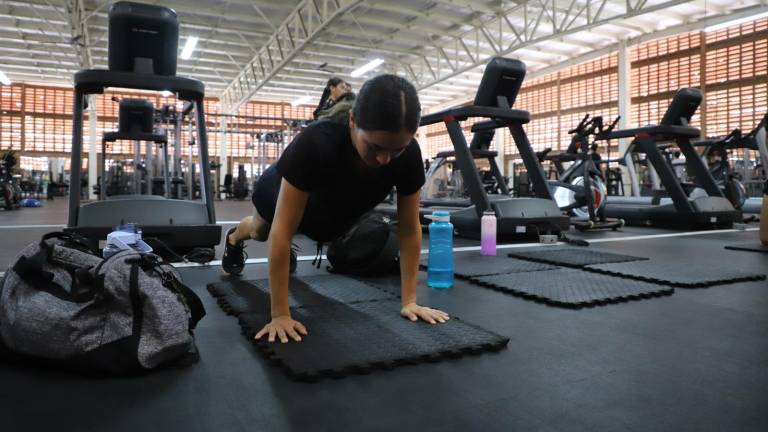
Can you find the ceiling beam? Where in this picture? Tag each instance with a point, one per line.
(472, 5)
(80, 38)
(305, 23)
(507, 37)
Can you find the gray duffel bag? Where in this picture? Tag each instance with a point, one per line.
(61, 302)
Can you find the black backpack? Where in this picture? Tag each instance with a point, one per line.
(369, 248)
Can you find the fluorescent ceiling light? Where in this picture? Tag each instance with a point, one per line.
(4, 79)
(302, 100)
(362, 70)
(735, 22)
(186, 53)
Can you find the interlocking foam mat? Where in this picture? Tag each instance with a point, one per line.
(353, 328)
(241, 296)
(673, 273)
(470, 264)
(749, 247)
(572, 257)
(572, 287)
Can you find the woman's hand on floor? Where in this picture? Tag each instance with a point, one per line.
(413, 312)
(283, 327)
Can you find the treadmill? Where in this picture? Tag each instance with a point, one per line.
(711, 210)
(755, 140)
(516, 217)
(145, 62)
(444, 186)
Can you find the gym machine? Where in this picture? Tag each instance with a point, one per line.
(515, 217)
(145, 63)
(709, 210)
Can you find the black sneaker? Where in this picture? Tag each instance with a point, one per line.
(234, 257)
(294, 260)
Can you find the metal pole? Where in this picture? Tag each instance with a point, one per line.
(625, 105)
(288, 136)
(253, 159)
(746, 158)
(262, 153)
(500, 150)
(75, 161)
(92, 155)
(190, 164)
(166, 176)
(177, 152)
(762, 149)
(634, 179)
(655, 182)
(532, 166)
(222, 154)
(283, 142)
(136, 170)
(102, 177)
(149, 162)
(205, 167)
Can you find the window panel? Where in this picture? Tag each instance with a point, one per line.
(46, 134)
(665, 47)
(10, 132)
(10, 97)
(738, 107)
(737, 30)
(33, 163)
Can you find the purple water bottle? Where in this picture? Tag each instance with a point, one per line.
(488, 234)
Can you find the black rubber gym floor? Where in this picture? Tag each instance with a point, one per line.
(749, 247)
(692, 361)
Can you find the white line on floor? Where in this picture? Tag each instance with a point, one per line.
(62, 226)
(30, 226)
(682, 234)
(248, 261)
(503, 246)
(506, 246)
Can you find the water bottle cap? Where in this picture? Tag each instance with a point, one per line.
(489, 213)
(439, 216)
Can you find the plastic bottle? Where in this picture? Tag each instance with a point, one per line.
(109, 250)
(488, 234)
(764, 217)
(440, 264)
(124, 237)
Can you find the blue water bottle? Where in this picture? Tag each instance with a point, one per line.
(440, 264)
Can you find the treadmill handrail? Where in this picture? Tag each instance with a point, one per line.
(93, 81)
(114, 136)
(462, 113)
(476, 154)
(659, 133)
(487, 125)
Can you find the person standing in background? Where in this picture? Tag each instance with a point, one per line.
(336, 90)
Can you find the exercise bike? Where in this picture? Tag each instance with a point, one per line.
(570, 191)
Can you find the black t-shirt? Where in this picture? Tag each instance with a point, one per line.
(323, 162)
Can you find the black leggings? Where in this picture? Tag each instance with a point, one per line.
(315, 222)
